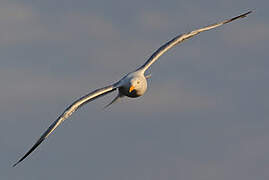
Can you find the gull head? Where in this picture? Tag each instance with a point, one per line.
(134, 86)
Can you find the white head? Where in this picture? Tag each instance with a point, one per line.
(134, 86)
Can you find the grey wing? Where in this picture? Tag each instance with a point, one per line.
(181, 38)
(72, 108)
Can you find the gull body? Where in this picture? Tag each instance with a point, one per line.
(132, 85)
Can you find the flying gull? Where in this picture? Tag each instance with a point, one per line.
(133, 85)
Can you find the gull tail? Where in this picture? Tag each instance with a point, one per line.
(116, 99)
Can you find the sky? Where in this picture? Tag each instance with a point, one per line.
(204, 115)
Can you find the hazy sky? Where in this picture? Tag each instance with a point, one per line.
(204, 116)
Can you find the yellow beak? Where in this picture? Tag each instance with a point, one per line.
(131, 88)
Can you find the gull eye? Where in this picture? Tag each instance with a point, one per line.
(138, 82)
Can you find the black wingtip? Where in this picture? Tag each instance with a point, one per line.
(30, 151)
(244, 15)
(240, 16)
(16, 164)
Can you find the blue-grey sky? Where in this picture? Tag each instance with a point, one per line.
(204, 116)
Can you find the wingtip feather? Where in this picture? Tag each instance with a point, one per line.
(16, 164)
(240, 16)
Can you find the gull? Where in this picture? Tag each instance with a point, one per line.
(132, 85)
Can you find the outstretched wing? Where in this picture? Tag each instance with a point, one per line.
(183, 37)
(72, 108)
